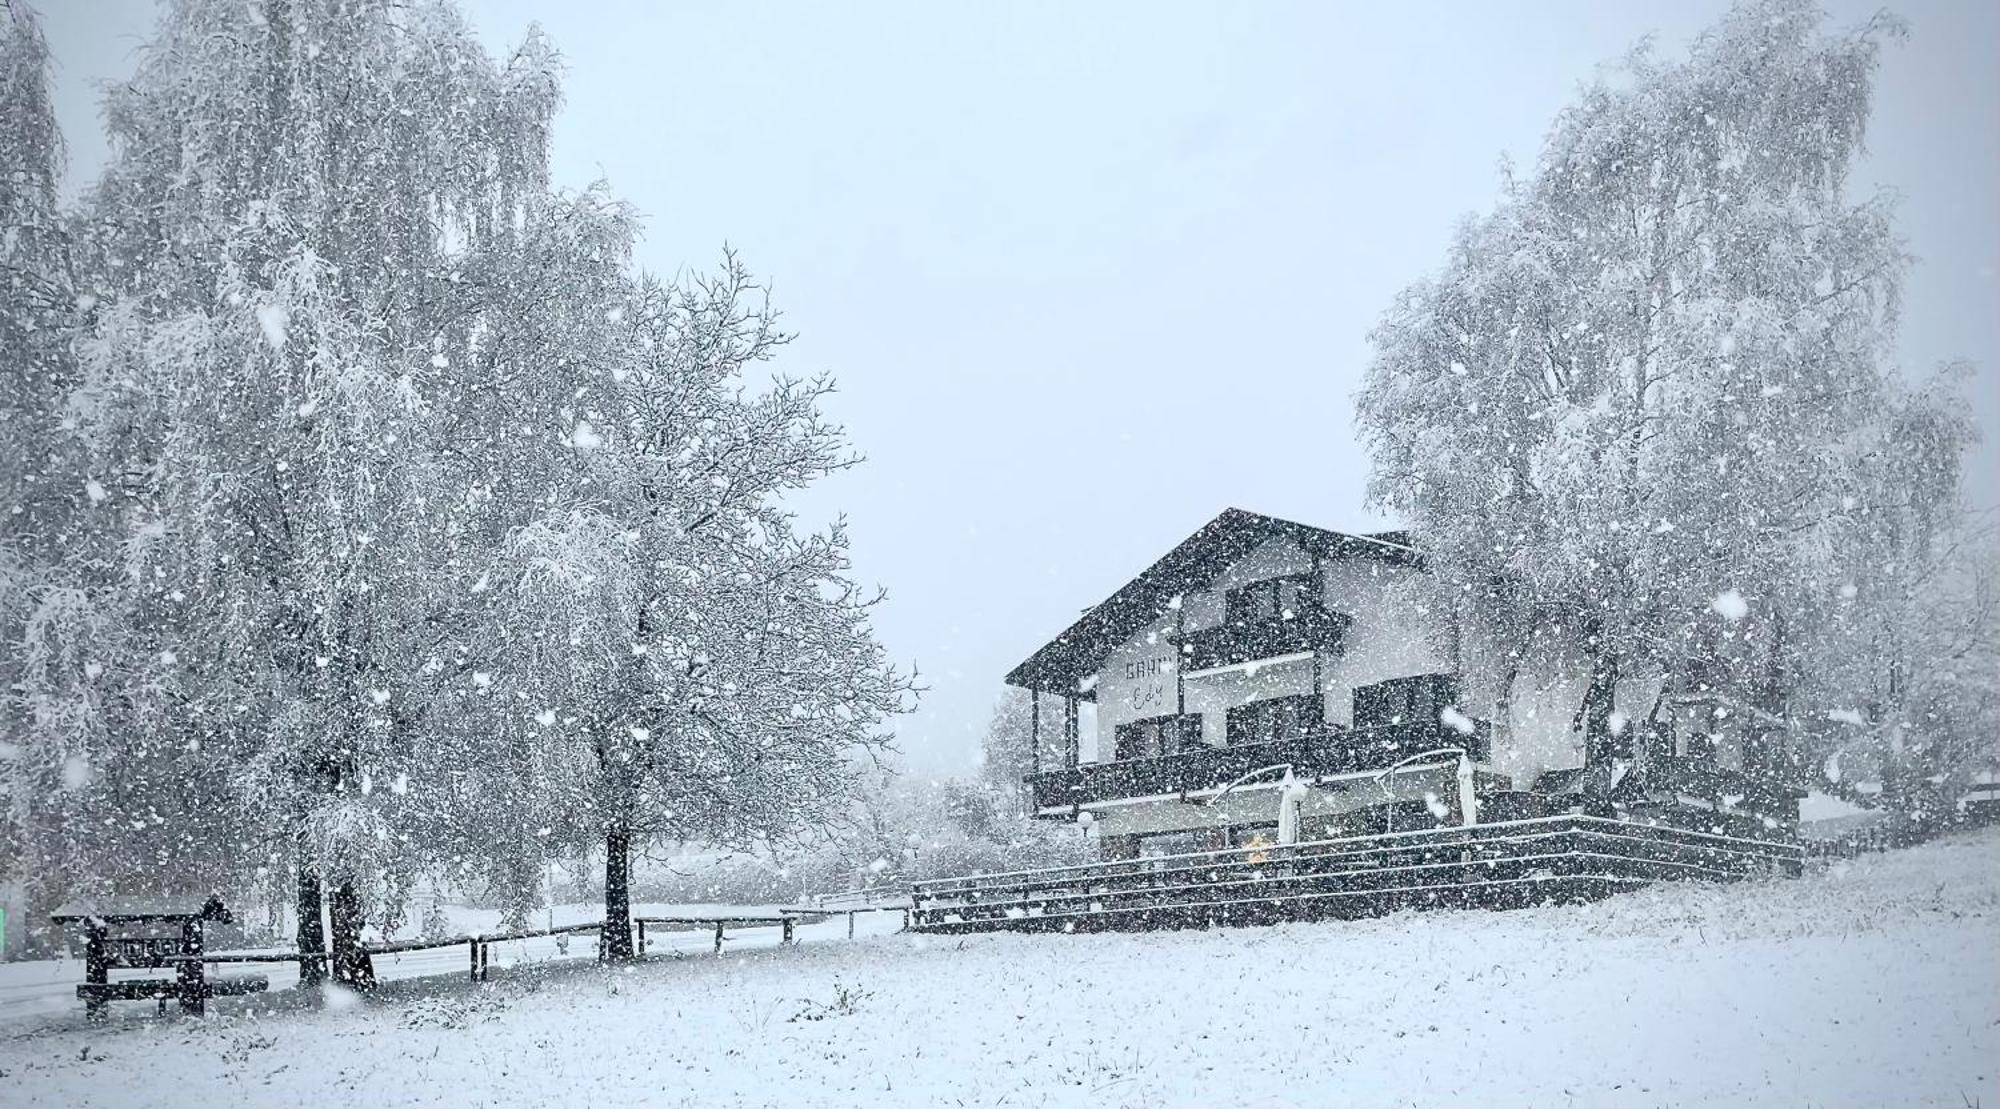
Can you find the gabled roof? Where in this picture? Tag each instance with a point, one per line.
(1081, 650)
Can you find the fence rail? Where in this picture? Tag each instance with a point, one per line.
(479, 945)
(1892, 834)
(1563, 858)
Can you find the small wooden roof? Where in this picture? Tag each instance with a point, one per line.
(130, 910)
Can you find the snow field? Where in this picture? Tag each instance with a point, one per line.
(1872, 982)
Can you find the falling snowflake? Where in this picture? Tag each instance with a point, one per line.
(1730, 605)
(273, 319)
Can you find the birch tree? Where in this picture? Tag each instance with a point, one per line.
(276, 239)
(40, 486)
(1647, 397)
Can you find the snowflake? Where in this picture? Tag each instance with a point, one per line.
(273, 319)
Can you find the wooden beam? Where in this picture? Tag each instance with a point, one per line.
(1072, 736)
(1035, 730)
(1319, 671)
(1180, 659)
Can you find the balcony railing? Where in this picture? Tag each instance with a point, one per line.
(1310, 628)
(1327, 750)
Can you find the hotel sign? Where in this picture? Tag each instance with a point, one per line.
(1150, 688)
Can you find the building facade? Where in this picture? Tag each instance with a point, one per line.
(1270, 681)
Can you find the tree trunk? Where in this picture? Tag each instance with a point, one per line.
(618, 892)
(1770, 753)
(351, 965)
(1599, 702)
(311, 938)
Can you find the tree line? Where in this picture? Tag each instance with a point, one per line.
(376, 515)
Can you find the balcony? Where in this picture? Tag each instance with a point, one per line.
(1309, 628)
(1326, 751)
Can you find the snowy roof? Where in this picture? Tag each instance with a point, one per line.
(1078, 652)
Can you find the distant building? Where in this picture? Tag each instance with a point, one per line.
(1980, 804)
(1267, 673)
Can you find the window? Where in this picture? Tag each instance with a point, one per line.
(1416, 700)
(1271, 599)
(1274, 719)
(1157, 735)
(1254, 602)
(1171, 843)
(1253, 835)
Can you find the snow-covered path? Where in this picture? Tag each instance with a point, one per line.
(1874, 983)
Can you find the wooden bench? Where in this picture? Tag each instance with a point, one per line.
(154, 935)
(169, 989)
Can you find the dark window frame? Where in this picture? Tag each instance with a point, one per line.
(1284, 597)
(1266, 720)
(1415, 699)
(1177, 732)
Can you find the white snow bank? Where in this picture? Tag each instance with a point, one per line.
(1874, 981)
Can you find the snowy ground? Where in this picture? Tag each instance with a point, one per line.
(1875, 982)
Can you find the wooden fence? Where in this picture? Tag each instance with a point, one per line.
(1499, 865)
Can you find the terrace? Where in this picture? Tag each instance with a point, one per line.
(1319, 751)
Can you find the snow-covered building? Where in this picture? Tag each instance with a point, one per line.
(1267, 672)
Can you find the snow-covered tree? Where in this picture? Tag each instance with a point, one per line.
(394, 523)
(1651, 398)
(1906, 686)
(40, 519)
(708, 664)
(1011, 750)
(274, 249)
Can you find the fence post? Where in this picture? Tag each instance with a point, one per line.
(192, 986)
(718, 937)
(96, 969)
(642, 937)
(472, 949)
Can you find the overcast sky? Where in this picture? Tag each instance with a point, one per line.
(1090, 273)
